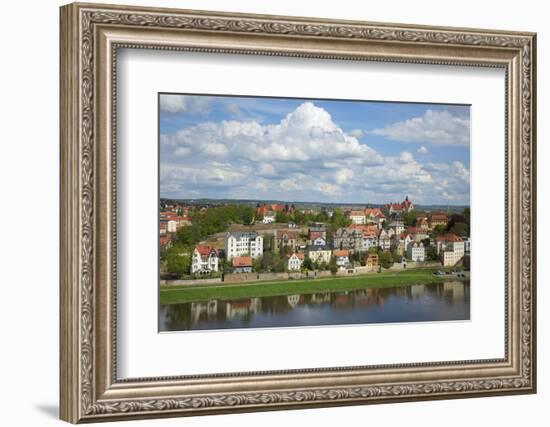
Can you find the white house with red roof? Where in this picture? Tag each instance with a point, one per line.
(357, 216)
(204, 259)
(295, 261)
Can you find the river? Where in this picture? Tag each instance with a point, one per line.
(413, 303)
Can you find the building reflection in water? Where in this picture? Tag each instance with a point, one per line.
(184, 316)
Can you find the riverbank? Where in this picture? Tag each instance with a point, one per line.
(176, 295)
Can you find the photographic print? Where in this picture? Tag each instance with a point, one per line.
(287, 212)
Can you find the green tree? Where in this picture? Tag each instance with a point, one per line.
(460, 229)
(431, 253)
(332, 265)
(385, 259)
(308, 264)
(188, 235)
(338, 219)
(281, 217)
(178, 261)
(409, 218)
(439, 230)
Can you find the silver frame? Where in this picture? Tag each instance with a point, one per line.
(90, 37)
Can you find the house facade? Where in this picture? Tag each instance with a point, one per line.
(319, 254)
(348, 238)
(204, 260)
(450, 249)
(243, 243)
(398, 226)
(416, 252)
(372, 262)
(268, 218)
(242, 264)
(438, 219)
(342, 257)
(286, 239)
(384, 240)
(316, 230)
(369, 240)
(295, 261)
(357, 217)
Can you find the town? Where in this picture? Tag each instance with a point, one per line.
(240, 242)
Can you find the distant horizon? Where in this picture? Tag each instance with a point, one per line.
(303, 202)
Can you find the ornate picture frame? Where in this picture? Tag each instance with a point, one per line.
(90, 37)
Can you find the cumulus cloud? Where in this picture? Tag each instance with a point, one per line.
(304, 156)
(358, 133)
(422, 150)
(172, 103)
(434, 127)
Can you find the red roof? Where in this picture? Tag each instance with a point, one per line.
(439, 217)
(290, 234)
(242, 261)
(340, 253)
(298, 254)
(164, 240)
(374, 212)
(204, 250)
(448, 238)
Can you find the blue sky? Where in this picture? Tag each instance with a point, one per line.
(313, 150)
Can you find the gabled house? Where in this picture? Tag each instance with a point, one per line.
(242, 264)
(342, 257)
(295, 261)
(416, 252)
(286, 239)
(204, 260)
(356, 217)
(438, 219)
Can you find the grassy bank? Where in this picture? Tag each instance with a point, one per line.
(181, 294)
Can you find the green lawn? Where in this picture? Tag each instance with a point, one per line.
(180, 294)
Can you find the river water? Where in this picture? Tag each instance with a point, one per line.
(416, 303)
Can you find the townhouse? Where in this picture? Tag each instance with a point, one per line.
(242, 243)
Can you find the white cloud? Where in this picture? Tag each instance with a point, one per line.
(423, 150)
(406, 157)
(358, 133)
(434, 127)
(305, 156)
(171, 103)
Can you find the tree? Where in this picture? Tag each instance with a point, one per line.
(281, 217)
(439, 230)
(188, 235)
(332, 265)
(460, 229)
(308, 264)
(431, 254)
(409, 218)
(338, 219)
(177, 261)
(385, 259)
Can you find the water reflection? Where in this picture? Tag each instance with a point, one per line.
(431, 302)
